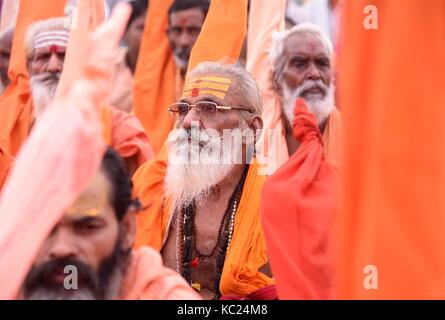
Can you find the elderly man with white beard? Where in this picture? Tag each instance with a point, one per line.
(302, 68)
(46, 44)
(201, 194)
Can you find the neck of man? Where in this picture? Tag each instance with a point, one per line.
(228, 185)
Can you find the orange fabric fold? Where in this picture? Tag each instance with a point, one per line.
(393, 178)
(154, 80)
(15, 107)
(148, 182)
(333, 138)
(298, 225)
(247, 251)
(128, 136)
(148, 279)
(222, 33)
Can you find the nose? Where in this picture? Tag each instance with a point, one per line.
(185, 40)
(62, 245)
(190, 117)
(313, 73)
(55, 64)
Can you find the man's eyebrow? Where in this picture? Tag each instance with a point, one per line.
(84, 219)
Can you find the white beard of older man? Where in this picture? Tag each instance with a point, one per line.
(301, 68)
(318, 96)
(46, 43)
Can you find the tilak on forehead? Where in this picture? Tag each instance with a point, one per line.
(53, 40)
(211, 85)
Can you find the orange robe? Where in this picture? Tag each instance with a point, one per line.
(392, 96)
(247, 251)
(5, 165)
(154, 80)
(148, 279)
(298, 225)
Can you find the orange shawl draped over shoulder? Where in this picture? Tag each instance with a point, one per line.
(247, 251)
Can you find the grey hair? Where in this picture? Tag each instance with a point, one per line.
(53, 24)
(246, 91)
(276, 54)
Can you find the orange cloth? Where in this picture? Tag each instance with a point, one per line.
(62, 154)
(128, 136)
(15, 107)
(247, 251)
(5, 165)
(154, 80)
(298, 225)
(148, 279)
(222, 33)
(332, 139)
(392, 97)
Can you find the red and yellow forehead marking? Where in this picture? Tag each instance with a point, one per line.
(215, 86)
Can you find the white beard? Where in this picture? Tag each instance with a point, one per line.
(43, 91)
(321, 106)
(192, 171)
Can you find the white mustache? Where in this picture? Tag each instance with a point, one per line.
(47, 77)
(310, 84)
(196, 136)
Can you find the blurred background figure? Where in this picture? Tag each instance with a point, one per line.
(185, 20)
(5, 53)
(122, 88)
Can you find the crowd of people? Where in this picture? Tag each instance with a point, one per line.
(173, 149)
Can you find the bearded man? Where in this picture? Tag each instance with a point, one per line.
(88, 254)
(201, 194)
(302, 68)
(46, 44)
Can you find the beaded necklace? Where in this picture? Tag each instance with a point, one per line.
(186, 240)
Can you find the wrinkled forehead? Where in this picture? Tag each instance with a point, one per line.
(217, 86)
(51, 40)
(306, 43)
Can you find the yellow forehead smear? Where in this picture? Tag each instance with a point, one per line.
(215, 86)
(78, 212)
